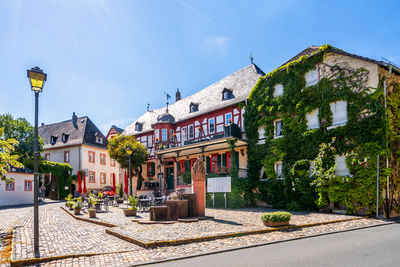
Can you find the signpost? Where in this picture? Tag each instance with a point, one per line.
(219, 185)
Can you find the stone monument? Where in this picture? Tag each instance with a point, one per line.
(199, 186)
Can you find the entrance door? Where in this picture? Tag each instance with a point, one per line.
(170, 177)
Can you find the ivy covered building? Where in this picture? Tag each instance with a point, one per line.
(315, 127)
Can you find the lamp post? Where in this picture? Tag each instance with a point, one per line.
(37, 78)
(130, 151)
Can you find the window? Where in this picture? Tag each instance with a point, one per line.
(150, 141)
(47, 157)
(228, 160)
(278, 90)
(102, 178)
(151, 169)
(228, 118)
(91, 177)
(191, 132)
(193, 107)
(164, 135)
(278, 169)
(214, 163)
(157, 135)
(27, 185)
(263, 175)
(64, 138)
(102, 159)
(138, 127)
(261, 135)
(66, 156)
(211, 123)
(91, 157)
(171, 135)
(339, 113)
(53, 140)
(10, 186)
(311, 77)
(182, 166)
(112, 162)
(192, 162)
(278, 128)
(99, 139)
(227, 94)
(184, 135)
(312, 119)
(341, 167)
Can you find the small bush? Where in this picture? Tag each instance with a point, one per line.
(293, 206)
(78, 205)
(278, 216)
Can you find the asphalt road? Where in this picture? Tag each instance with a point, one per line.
(376, 246)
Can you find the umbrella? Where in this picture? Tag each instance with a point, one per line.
(114, 182)
(84, 183)
(126, 184)
(79, 183)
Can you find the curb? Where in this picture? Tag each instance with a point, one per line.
(90, 221)
(176, 242)
(261, 244)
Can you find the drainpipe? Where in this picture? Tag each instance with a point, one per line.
(387, 158)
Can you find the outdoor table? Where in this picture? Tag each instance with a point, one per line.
(144, 204)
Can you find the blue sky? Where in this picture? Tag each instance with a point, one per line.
(108, 59)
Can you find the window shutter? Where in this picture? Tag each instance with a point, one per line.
(207, 164)
(237, 159)
(219, 161)
(224, 160)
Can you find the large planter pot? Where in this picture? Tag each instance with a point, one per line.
(71, 208)
(92, 213)
(178, 208)
(128, 212)
(77, 211)
(273, 224)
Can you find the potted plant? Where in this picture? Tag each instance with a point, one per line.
(119, 193)
(70, 204)
(68, 199)
(131, 211)
(277, 218)
(92, 201)
(77, 207)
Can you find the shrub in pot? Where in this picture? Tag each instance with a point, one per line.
(70, 204)
(92, 202)
(131, 211)
(77, 207)
(277, 218)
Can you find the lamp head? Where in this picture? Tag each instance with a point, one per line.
(37, 78)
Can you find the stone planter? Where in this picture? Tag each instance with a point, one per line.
(77, 211)
(158, 213)
(273, 224)
(128, 212)
(92, 213)
(178, 208)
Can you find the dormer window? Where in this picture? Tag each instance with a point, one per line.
(98, 138)
(138, 127)
(227, 94)
(53, 140)
(64, 137)
(194, 107)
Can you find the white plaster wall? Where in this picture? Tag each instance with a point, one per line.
(58, 156)
(19, 196)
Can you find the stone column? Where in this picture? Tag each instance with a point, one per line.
(199, 186)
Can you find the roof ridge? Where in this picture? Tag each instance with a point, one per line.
(50, 124)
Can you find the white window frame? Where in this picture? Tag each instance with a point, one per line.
(278, 90)
(334, 107)
(276, 164)
(184, 135)
(341, 167)
(150, 141)
(228, 116)
(261, 135)
(262, 171)
(312, 77)
(275, 124)
(28, 182)
(171, 137)
(310, 116)
(164, 135)
(157, 134)
(190, 132)
(211, 121)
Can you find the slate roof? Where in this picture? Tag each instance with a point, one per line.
(209, 99)
(84, 133)
(20, 170)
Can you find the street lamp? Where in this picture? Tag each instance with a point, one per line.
(130, 151)
(37, 78)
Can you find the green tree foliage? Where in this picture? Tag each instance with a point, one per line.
(7, 147)
(63, 173)
(117, 150)
(22, 131)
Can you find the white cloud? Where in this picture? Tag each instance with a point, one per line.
(218, 43)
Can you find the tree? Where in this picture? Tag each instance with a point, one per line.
(23, 132)
(7, 160)
(117, 150)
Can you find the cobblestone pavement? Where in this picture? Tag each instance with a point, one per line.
(142, 256)
(225, 221)
(61, 234)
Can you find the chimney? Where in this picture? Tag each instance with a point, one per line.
(74, 120)
(177, 95)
